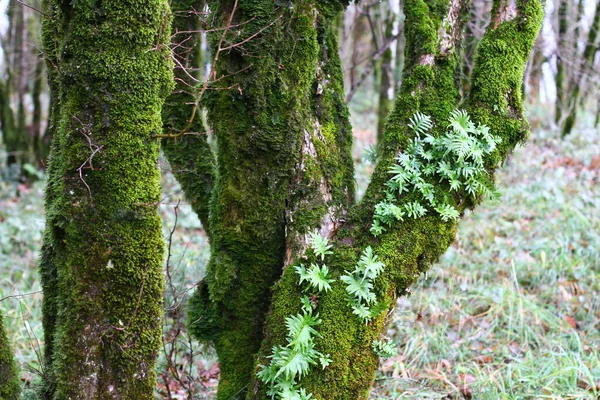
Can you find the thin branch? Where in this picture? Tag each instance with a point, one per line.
(20, 295)
(33, 8)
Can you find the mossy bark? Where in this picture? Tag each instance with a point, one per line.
(10, 386)
(101, 262)
(408, 248)
(275, 105)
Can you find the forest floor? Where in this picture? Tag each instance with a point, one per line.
(511, 311)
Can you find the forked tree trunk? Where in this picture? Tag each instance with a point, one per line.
(9, 378)
(284, 171)
(101, 264)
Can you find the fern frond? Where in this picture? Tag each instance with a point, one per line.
(319, 244)
(420, 123)
(384, 349)
(316, 276)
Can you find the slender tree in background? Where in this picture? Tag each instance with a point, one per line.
(475, 26)
(534, 72)
(284, 184)
(22, 86)
(101, 262)
(385, 70)
(586, 65)
(189, 153)
(9, 379)
(561, 57)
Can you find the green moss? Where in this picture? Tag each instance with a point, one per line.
(9, 379)
(258, 116)
(102, 259)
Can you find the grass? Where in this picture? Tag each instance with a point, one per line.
(512, 311)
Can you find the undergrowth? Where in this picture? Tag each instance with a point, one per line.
(512, 311)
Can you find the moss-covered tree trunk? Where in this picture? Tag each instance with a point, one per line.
(101, 264)
(408, 248)
(284, 172)
(10, 386)
(276, 107)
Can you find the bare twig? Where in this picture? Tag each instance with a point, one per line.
(20, 295)
(33, 8)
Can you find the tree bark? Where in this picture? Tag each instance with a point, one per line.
(101, 263)
(9, 379)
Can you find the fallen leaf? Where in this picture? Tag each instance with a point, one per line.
(571, 321)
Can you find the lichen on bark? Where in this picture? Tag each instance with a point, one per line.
(101, 262)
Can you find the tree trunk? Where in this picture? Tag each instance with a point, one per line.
(400, 45)
(587, 63)
(10, 386)
(285, 175)
(560, 61)
(408, 248)
(385, 74)
(101, 263)
(189, 155)
(41, 144)
(535, 73)
(7, 122)
(266, 112)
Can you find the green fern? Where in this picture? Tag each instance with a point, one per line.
(455, 158)
(316, 276)
(384, 349)
(420, 123)
(359, 284)
(320, 245)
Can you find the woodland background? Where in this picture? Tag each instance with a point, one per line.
(513, 308)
